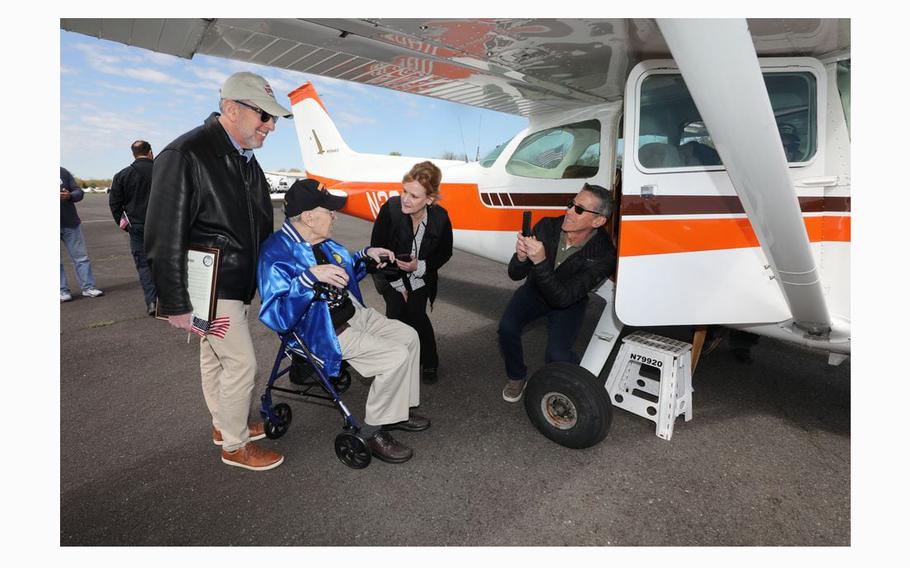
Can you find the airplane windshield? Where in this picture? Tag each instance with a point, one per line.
(488, 160)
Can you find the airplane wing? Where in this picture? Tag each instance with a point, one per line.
(517, 66)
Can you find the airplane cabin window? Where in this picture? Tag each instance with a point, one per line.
(568, 151)
(672, 134)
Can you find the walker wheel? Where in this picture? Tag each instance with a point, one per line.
(342, 382)
(275, 430)
(352, 450)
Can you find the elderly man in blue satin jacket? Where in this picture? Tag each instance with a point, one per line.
(291, 264)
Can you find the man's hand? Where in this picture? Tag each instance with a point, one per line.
(183, 321)
(64, 195)
(521, 249)
(535, 249)
(330, 274)
(376, 252)
(409, 266)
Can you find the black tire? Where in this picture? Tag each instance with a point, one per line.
(566, 403)
(352, 450)
(273, 430)
(342, 382)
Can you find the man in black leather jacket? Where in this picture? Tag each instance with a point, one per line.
(208, 190)
(566, 258)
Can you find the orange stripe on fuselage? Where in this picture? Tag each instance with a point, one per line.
(669, 236)
(637, 237)
(461, 200)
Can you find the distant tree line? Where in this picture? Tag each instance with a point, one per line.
(87, 183)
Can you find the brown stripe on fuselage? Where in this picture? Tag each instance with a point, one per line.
(717, 205)
(540, 199)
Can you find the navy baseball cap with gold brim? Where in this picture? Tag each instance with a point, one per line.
(308, 194)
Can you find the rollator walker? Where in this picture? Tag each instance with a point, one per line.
(306, 374)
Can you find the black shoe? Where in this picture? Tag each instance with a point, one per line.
(388, 449)
(414, 423)
(430, 376)
(150, 309)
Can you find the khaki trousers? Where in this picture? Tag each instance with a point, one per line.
(389, 351)
(228, 368)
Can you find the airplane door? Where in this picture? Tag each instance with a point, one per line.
(687, 251)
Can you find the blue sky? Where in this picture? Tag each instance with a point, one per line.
(111, 95)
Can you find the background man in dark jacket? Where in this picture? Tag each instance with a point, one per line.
(208, 190)
(129, 196)
(566, 258)
(71, 235)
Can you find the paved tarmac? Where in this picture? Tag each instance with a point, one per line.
(765, 460)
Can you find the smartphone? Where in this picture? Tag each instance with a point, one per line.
(403, 257)
(526, 224)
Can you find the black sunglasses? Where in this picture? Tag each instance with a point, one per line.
(579, 209)
(263, 116)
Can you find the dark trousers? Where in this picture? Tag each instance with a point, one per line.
(414, 313)
(562, 329)
(137, 247)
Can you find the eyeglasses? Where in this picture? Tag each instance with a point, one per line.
(263, 116)
(579, 209)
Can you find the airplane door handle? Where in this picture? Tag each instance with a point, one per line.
(822, 181)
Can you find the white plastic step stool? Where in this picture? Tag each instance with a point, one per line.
(652, 378)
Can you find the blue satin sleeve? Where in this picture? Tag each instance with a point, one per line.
(359, 271)
(285, 296)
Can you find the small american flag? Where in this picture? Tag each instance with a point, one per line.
(217, 327)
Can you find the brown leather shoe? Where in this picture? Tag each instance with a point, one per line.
(257, 432)
(252, 457)
(388, 449)
(414, 423)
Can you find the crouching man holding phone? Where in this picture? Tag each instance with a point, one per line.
(420, 233)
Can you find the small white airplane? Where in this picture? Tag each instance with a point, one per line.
(279, 182)
(726, 143)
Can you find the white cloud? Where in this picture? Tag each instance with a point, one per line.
(150, 75)
(124, 88)
(345, 118)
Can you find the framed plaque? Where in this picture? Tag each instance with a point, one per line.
(201, 283)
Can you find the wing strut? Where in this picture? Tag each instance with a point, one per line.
(720, 67)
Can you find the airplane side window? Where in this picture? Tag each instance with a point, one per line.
(672, 134)
(569, 151)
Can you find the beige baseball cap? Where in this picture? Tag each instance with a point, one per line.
(246, 86)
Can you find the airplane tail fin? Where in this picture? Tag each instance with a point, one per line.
(323, 149)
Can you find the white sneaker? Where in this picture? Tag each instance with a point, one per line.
(92, 292)
(65, 296)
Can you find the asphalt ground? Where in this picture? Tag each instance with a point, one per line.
(765, 460)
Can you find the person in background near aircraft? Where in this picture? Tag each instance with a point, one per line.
(419, 231)
(566, 258)
(71, 235)
(293, 263)
(208, 190)
(128, 200)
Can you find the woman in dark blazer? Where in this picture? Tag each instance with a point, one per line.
(420, 233)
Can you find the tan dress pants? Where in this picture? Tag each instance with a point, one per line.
(228, 369)
(389, 351)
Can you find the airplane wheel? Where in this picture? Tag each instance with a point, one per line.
(352, 450)
(274, 430)
(566, 403)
